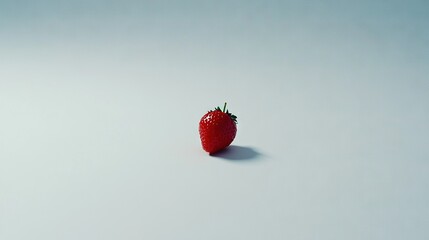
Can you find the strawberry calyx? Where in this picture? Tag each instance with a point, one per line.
(232, 116)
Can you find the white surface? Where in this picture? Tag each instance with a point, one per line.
(99, 111)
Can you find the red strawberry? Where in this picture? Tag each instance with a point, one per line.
(217, 129)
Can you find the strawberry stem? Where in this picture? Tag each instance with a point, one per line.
(224, 107)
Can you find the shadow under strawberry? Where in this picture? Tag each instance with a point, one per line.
(237, 153)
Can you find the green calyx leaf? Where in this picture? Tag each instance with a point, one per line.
(224, 110)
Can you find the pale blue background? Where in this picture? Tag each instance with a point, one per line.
(100, 103)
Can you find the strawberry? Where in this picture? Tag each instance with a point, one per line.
(217, 129)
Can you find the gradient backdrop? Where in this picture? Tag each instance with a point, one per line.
(100, 103)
